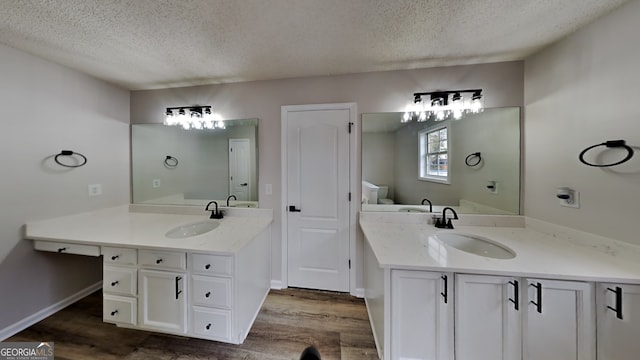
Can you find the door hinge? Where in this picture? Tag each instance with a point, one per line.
(350, 126)
(349, 263)
(349, 196)
(230, 149)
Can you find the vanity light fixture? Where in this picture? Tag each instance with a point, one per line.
(193, 118)
(443, 105)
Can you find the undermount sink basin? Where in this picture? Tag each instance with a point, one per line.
(474, 244)
(193, 229)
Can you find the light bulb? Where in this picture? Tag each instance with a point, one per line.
(440, 115)
(220, 124)
(406, 117)
(169, 118)
(422, 116)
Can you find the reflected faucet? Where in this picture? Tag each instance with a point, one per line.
(231, 196)
(444, 223)
(430, 206)
(215, 213)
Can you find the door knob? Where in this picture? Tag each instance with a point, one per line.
(292, 208)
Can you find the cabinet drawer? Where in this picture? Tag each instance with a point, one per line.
(211, 323)
(122, 256)
(211, 291)
(120, 280)
(162, 259)
(67, 248)
(119, 310)
(207, 264)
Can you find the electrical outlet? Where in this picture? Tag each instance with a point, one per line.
(156, 183)
(95, 189)
(568, 197)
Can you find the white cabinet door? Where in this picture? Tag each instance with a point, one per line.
(487, 319)
(618, 339)
(162, 304)
(559, 321)
(421, 315)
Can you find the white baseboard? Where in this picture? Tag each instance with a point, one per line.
(276, 285)
(359, 293)
(48, 311)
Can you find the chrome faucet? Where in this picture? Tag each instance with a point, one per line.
(215, 214)
(430, 206)
(231, 196)
(444, 223)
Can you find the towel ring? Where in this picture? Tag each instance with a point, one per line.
(170, 161)
(468, 159)
(608, 144)
(69, 153)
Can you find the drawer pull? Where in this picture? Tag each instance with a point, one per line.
(178, 292)
(114, 283)
(115, 257)
(114, 312)
(207, 294)
(538, 302)
(445, 294)
(208, 327)
(618, 308)
(62, 249)
(516, 295)
(159, 261)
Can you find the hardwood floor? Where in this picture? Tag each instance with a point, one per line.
(290, 320)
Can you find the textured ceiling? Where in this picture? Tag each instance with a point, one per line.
(148, 44)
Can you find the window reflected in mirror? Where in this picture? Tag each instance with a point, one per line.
(471, 164)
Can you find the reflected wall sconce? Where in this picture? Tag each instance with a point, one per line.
(193, 118)
(444, 105)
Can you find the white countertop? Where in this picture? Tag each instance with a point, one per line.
(405, 244)
(120, 227)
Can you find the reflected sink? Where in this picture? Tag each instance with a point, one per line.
(412, 209)
(244, 204)
(474, 244)
(193, 229)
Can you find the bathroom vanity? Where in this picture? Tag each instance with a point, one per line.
(177, 273)
(564, 295)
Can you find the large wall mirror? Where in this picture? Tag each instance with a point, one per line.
(471, 164)
(173, 166)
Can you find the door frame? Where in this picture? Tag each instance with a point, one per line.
(249, 174)
(285, 109)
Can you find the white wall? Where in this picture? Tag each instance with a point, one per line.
(46, 108)
(373, 92)
(578, 92)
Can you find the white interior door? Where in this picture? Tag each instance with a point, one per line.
(317, 197)
(240, 168)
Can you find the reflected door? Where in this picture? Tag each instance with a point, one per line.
(318, 143)
(240, 168)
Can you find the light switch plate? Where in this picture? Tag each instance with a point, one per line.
(155, 183)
